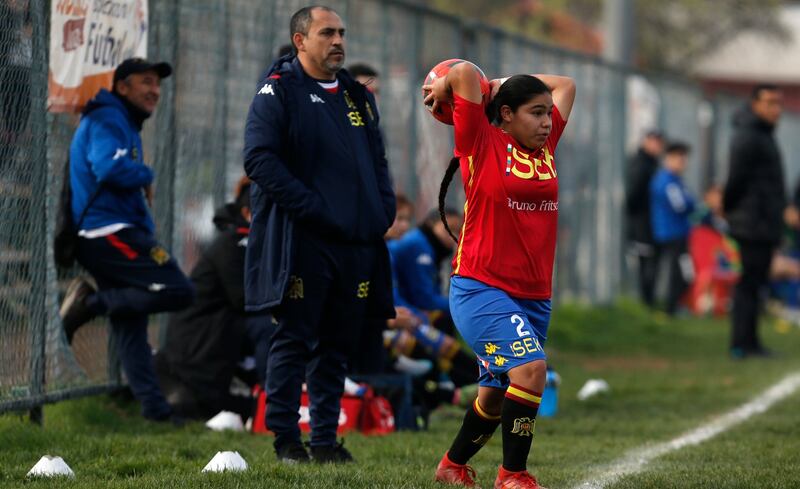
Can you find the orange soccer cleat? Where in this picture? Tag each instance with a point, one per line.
(515, 480)
(451, 473)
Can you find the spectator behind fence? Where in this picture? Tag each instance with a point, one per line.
(367, 76)
(111, 186)
(206, 341)
(754, 203)
(641, 168)
(715, 257)
(671, 206)
(322, 202)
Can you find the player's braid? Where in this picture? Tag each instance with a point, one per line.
(448, 177)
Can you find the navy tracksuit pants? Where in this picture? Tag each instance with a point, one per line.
(135, 277)
(319, 325)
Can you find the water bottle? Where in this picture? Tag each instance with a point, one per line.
(549, 405)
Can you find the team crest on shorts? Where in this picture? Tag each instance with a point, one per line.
(523, 426)
(159, 255)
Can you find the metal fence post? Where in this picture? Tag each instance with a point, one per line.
(38, 206)
(166, 152)
(413, 80)
(222, 100)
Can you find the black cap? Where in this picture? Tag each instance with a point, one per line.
(139, 65)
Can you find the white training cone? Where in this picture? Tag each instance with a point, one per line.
(48, 466)
(223, 461)
(225, 420)
(592, 387)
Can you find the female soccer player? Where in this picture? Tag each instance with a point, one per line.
(502, 272)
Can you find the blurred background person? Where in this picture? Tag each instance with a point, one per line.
(417, 260)
(641, 168)
(671, 206)
(206, 342)
(367, 76)
(715, 258)
(754, 202)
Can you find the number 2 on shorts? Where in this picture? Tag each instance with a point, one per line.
(520, 332)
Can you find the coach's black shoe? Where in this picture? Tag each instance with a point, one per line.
(175, 420)
(762, 352)
(292, 453)
(331, 454)
(74, 311)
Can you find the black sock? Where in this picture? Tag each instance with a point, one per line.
(519, 420)
(477, 428)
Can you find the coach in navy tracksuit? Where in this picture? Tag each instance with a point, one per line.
(109, 182)
(321, 205)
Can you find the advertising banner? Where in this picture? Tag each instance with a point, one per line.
(88, 39)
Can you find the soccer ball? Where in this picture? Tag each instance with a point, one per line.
(444, 112)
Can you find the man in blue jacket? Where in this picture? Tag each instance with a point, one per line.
(321, 203)
(110, 187)
(671, 204)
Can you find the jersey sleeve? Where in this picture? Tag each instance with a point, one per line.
(470, 123)
(558, 127)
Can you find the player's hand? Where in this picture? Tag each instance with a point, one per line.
(494, 87)
(436, 93)
(791, 216)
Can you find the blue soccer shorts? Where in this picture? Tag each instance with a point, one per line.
(504, 332)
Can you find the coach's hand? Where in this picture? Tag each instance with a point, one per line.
(148, 195)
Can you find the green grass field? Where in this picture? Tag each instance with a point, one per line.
(666, 378)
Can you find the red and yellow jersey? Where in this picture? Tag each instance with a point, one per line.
(511, 212)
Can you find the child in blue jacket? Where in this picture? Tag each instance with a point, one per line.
(671, 205)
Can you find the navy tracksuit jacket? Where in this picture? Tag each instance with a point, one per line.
(316, 258)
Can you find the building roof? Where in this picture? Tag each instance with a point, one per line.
(752, 56)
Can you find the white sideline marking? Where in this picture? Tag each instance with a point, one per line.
(636, 460)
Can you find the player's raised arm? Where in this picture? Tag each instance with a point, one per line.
(562, 88)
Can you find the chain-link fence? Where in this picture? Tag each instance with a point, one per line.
(194, 141)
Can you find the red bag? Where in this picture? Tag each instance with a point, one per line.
(377, 417)
(350, 413)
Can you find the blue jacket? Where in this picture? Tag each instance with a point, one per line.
(107, 149)
(671, 204)
(318, 161)
(416, 273)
